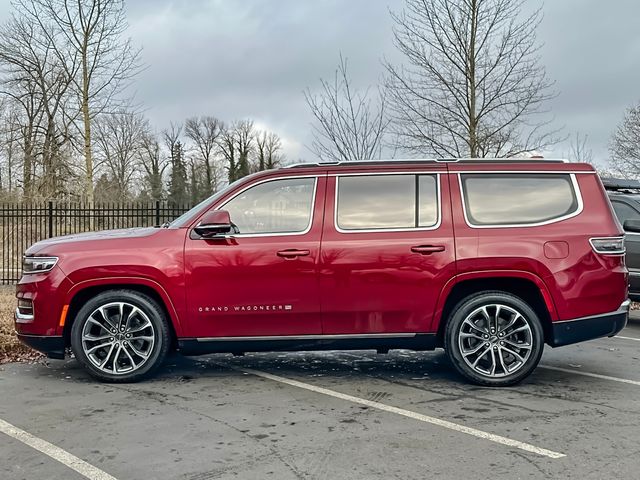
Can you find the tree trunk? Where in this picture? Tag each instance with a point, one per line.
(471, 82)
(88, 159)
(209, 188)
(27, 165)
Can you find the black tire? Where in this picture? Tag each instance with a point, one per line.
(153, 350)
(466, 326)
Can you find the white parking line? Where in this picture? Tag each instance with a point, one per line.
(400, 411)
(74, 463)
(627, 338)
(592, 375)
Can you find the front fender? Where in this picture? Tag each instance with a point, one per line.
(176, 310)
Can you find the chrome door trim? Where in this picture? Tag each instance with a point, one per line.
(307, 337)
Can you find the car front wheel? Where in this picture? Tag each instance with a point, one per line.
(120, 336)
(494, 339)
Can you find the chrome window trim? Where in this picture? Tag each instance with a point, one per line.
(391, 230)
(576, 189)
(280, 234)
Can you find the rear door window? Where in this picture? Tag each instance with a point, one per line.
(387, 202)
(518, 199)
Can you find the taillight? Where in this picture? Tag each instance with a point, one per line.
(608, 245)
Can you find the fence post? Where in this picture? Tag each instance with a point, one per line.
(50, 219)
(157, 212)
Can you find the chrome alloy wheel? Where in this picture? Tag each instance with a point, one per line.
(118, 338)
(495, 340)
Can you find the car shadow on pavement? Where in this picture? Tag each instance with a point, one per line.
(414, 369)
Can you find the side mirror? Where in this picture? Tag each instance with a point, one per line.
(214, 223)
(632, 226)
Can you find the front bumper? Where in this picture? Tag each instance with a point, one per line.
(51, 346)
(588, 328)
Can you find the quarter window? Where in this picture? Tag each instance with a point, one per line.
(384, 202)
(517, 199)
(277, 206)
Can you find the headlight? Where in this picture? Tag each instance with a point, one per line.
(38, 264)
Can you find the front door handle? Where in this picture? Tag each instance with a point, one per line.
(427, 249)
(292, 253)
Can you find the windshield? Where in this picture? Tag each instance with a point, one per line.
(185, 219)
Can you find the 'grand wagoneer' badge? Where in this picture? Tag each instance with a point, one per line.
(244, 308)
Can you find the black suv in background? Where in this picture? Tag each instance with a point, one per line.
(625, 198)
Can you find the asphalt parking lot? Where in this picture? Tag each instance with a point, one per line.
(333, 415)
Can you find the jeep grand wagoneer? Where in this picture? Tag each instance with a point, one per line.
(489, 260)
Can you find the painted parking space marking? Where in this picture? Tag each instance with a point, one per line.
(58, 454)
(400, 411)
(627, 338)
(592, 375)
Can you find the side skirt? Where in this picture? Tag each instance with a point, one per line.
(380, 342)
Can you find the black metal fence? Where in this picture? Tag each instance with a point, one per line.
(24, 224)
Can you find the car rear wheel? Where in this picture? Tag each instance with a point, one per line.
(494, 339)
(120, 336)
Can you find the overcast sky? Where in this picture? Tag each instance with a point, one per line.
(253, 59)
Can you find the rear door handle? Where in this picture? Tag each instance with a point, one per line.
(427, 249)
(292, 253)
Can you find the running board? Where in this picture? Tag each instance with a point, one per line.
(295, 343)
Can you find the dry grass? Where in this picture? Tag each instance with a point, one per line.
(11, 350)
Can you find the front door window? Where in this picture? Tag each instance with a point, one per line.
(274, 207)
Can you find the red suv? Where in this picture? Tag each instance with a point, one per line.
(489, 260)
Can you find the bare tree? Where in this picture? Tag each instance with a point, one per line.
(178, 193)
(268, 151)
(624, 146)
(153, 163)
(349, 124)
(119, 145)
(579, 150)
(245, 136)
(473, 85)
(91, 32)
(38, 82)
(204, 132)
(9, 145)
(236, 144)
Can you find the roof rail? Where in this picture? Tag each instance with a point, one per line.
(423, 160)
(620, 184)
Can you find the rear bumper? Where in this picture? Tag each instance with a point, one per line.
(51, 346)
(588, 328)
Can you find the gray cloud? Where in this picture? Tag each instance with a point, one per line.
(253, 58)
